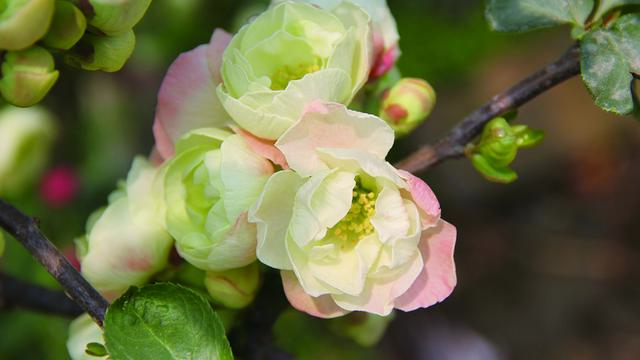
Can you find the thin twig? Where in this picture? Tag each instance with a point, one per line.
(452, 146)
(25, 230)
(16, 293)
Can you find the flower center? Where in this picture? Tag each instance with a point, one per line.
(357, 223)
(281, 77)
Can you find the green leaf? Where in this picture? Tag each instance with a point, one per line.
(526, 137)
(491, 172)
(164, 321)
(608, 5)
(608, 59)
(525, 15)
(96, 349)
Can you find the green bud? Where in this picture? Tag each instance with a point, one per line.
(67, 27)
(234, 288)
(407, 104)
(498, 147)
(27, 76)
(23, 22)
(99, 52)
(117, 16)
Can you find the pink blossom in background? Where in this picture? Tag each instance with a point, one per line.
(59, 186)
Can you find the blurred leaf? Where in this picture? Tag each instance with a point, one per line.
(309, 338)
(608, 5)
(164, 321)
(525, 15)
(608, 59)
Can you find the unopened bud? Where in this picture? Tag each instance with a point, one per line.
(498, 147)
(117, 16)
(23, 22)
(105, 53)
(67, 27)
(26, 135)
(27, 76)
(407, 104)
(234, 288)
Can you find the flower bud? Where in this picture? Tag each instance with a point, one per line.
(498, 147)
(117, 16)
(67, 27)
(23, 22)
(234, 288)
(407, 104)
(126, 243)
(105, 53)
(27, 76)
(25, 138)
(83, 331)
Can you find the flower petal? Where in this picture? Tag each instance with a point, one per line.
(331, 125)
(263, 147)
(187, 99)
(379, 293)
(424, 197)
(272, 213)
(438, 278)
(321, 306)
(358, 161)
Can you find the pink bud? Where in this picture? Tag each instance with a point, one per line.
(384, 62)
(59, 186)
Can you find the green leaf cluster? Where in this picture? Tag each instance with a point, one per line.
(164, 321)
(497, 149)
(609, 36)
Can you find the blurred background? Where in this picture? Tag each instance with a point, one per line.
(547, 266)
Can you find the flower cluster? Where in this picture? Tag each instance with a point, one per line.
(258, 159)
(95, 35)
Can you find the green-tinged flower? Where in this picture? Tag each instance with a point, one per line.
(235, 288)
(27, 76)
(83, 331)
(385, 31)
(67, 27)
(26, 136)
(99, 52)
(407, 104)
(117, 16)
(126, 243)
(208, 187)
(498, 147)
(290, 55)
(23, 22)
(348, 231)
(363, 328)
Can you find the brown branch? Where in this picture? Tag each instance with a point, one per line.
(16, 293)
(452, 146)
(25, 230)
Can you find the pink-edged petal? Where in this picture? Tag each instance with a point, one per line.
(263, 147)
(187, 98)
(332, 125)
(219, 41)
(321, 306)
(379, 294)
(438, 278)
(424, 197)
(155, 158)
